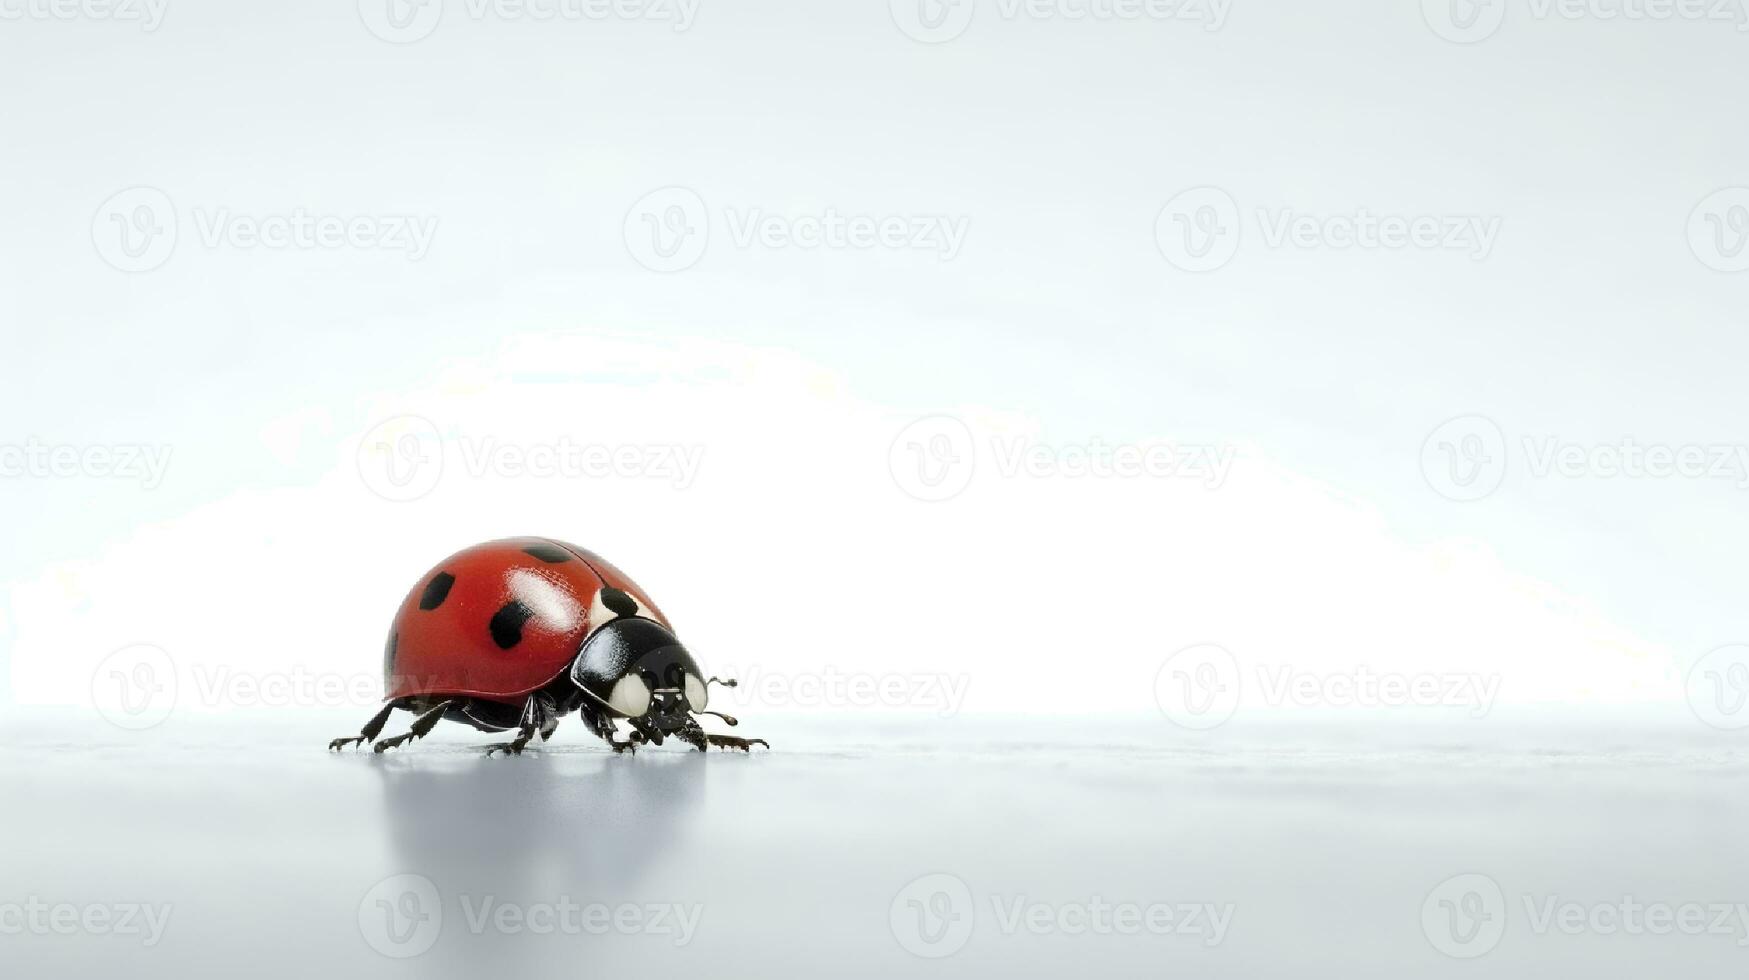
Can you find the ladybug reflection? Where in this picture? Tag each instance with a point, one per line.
(514, 635)
(519, 825)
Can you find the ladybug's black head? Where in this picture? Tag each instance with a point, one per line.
(641, 671)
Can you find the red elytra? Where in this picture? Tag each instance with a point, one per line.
(501, 619)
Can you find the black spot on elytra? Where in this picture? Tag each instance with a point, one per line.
(552, 554)
(436, 591)
(618, 602)
(507, 624)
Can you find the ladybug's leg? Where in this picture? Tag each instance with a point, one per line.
(549, 723)
(515, 745)
(694, 736)
(537, 717)
(698, 738)
(644, 733)
(422, 727)
(369, 732)
(603, 726)
(735, 742)
(634, 738)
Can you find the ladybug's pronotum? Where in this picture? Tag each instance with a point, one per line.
(516, 634)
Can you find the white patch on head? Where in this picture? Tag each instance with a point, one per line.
(698, 693)
(630, 697)
(600, 615)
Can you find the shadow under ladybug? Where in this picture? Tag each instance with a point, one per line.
(514, 635)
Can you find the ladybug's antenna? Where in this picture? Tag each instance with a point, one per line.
(731, 682)
(731, 720)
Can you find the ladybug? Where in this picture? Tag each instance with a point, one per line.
(513, 635)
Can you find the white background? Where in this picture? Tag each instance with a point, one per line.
(528, 148)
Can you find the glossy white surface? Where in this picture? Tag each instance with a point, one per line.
(1316, 847)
